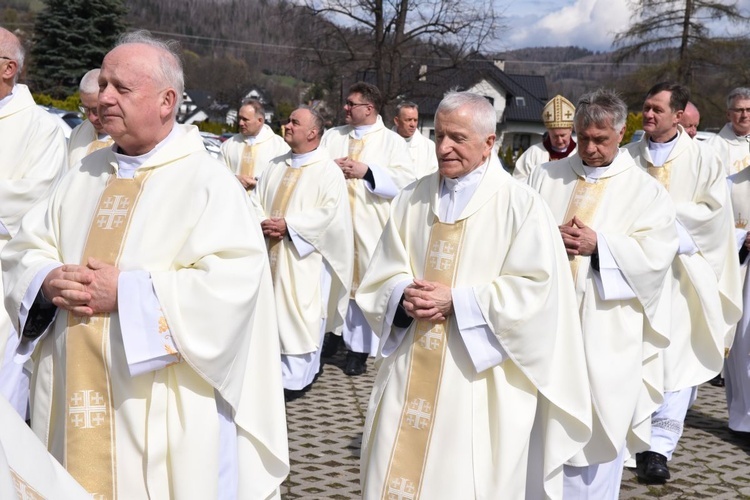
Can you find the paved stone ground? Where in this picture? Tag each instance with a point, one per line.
(325, 433)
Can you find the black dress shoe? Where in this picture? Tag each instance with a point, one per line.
(331, 344)
(717, 381)
(356, 363)
(292, 394)
(651, 467)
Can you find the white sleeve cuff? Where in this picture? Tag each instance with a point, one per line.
(393, 335)
(300, 244)
(687, 244)
(384, 185)
(483, 347)
(145, 334)
(739, 236)
(610, 282)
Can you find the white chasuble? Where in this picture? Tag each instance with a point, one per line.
(83, 141)
(706, 287)
(737, 369)
(317, 210)
(33, 157)
(423, 154)
(434, 425)
(378, 148)
(194, 232)
(733, 151)
(622, 338)
(246, 159)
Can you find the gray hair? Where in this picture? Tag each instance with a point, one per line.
(406, 105)
(483, 113)
(317, 119)
(11, 47)
(738, 93)
(90, 82)
(602, 107)
(170, 67)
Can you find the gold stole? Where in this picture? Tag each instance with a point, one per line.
(98, 144)
(89, 429)
(662, 174)
(355, 150)
(278, 210)
(583, 203)
(410, 449)
(247, 160)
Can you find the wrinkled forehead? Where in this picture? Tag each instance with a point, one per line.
(131, 61)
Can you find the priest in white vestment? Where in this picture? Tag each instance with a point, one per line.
(376, 164)
(27, 470)
(159, 376)
(732, 143)
(248, 153)
(737, 368)
(89, 135)
(483, 386)
(617, 224)
(706, 288)
(33, 157)
(304, 213)
(558, 142)
(421, 149)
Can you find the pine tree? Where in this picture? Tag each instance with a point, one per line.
(70, 38)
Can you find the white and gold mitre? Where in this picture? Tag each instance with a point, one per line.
(558, 113)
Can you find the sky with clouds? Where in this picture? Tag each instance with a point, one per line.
(591, 24)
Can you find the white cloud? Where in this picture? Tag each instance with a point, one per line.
(586, 23)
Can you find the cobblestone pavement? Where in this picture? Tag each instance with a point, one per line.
(325, 432)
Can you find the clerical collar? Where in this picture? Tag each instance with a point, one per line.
(102, 136)
(5, 100)
(361, 130)
(659, 151)
(127, 165)
(557, 154)
(301, 159)
(595, 173)
(456, 193)
(252, 139)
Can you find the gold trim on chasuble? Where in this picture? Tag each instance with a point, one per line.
(278, 210)
(24, 490)
(89, 423)
(662, 174)
(355, 150)
(583, 203)
(409, 454)
(247, 160)
(96, 145)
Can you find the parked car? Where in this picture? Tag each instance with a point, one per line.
(68, 120)
(212, 143)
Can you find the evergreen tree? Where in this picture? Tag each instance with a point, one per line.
(70, 38)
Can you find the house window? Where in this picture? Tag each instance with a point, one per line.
(521, 101)
(521, 141)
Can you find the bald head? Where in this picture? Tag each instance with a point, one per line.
(690, 119)
(11, 62)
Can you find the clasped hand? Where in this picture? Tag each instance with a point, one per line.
(578, 238)
(274, 228)
(428, 300)
(83, 290)
(352, 169)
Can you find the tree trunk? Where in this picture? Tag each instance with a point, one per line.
(684, 69)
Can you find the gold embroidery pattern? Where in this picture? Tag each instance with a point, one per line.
(89, 430)
(278, 210)
(24, 490)
(583, 203)
(97, 145)
(247, 161)
(662, 174)
(356, 146)
(411, 447)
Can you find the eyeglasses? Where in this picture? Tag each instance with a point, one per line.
(86, 110)
(350, 104)
(739, 111)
